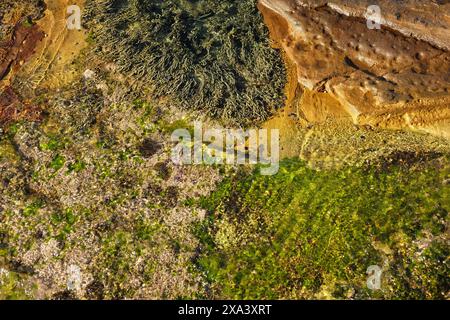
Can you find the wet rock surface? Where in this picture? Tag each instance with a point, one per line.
(92, 207)
(396, 77)
(19, 37)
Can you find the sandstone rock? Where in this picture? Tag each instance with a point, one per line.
(396, 77)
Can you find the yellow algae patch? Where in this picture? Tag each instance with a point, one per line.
(53, 64)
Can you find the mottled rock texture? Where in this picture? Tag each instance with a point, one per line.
(395, 77)
(92, 206)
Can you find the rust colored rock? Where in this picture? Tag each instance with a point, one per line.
(13, 109)
(13, 54)
(397, 76)
(19, 49)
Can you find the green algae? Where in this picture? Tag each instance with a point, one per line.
(313, 234)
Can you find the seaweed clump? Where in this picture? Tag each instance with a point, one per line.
(209, 56)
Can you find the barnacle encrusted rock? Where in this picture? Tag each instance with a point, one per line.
(397, 76)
